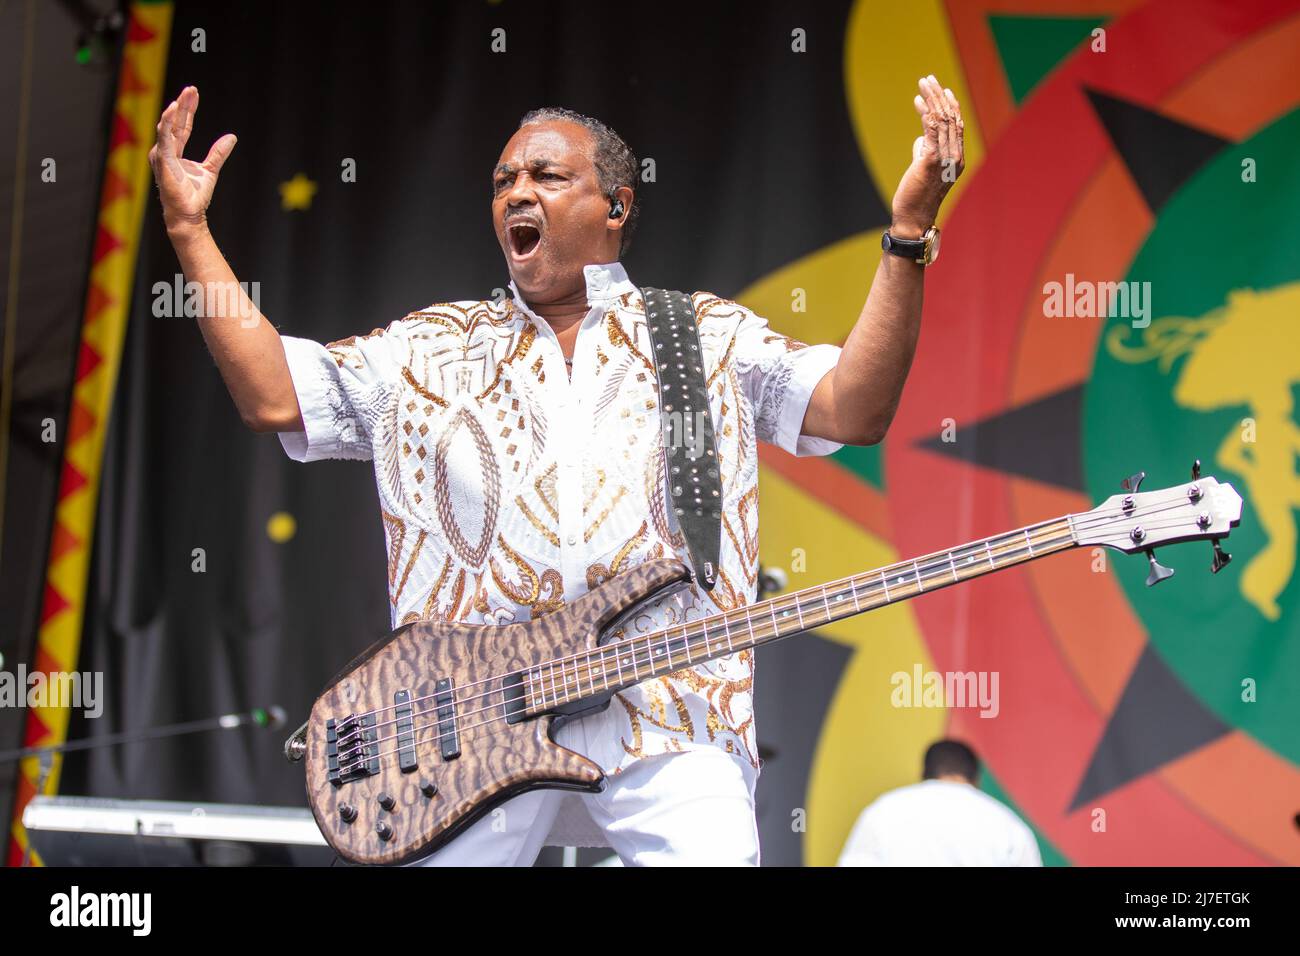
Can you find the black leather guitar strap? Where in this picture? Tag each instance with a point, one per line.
(690, 458)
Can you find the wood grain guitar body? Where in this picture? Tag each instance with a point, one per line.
(438, 723)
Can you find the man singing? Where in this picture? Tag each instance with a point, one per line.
(519, 457)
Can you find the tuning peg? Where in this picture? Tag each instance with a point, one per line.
(1132, 482)
(1221, 557)
(1158, 571)
(1196, 470)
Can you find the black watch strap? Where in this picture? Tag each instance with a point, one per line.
(907, 248)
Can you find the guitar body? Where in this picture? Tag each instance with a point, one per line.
(468, 751)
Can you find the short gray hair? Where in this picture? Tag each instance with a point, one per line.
(616, 164)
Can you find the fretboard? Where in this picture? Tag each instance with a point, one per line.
(629, 661)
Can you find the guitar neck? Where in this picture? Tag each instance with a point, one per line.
(623, 663)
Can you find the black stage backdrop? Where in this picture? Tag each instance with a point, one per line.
(756, 165)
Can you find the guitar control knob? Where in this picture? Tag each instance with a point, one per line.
(384, 831)
(347, 812)
(386, 801)
(429, 788)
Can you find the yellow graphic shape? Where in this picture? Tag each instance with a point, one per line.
(867, 745)
(887, 48)
(1227, 368)
(831, 283)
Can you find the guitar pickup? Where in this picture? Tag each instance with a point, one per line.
(444, 700)
(405, 731)
(512, 689)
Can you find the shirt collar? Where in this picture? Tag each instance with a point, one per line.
(606, 281)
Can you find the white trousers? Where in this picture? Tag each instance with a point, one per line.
(694, 808)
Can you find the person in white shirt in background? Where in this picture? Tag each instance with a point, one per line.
(945, 820)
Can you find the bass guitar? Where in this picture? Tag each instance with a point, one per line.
(437, 723)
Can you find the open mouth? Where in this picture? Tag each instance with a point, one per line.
(524, 238)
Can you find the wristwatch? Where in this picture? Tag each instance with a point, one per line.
(924, 250)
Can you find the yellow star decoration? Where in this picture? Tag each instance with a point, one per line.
(297, 193)
(281, 527)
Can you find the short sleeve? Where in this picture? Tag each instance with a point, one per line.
(341, 389)
(779, 374)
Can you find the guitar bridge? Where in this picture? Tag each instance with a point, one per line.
(351, 748)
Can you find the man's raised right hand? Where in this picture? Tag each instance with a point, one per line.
(185, 186)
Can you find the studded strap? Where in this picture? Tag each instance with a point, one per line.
(690, 458)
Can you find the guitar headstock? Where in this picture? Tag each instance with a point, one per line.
(1201, 509)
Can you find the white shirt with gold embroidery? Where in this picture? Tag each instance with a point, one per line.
(507, 489)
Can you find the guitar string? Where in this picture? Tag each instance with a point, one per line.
(643, 651)
(421, 730)
(887, 570)
(683, 642)
(675, 645)
(687, 641)
(747, 611)
(867, 590)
